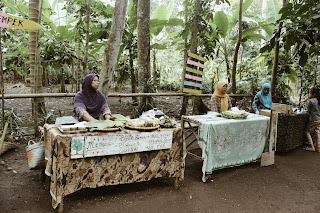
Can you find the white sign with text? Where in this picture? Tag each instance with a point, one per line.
(112, 144)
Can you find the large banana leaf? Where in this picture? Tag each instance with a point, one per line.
(248, 32)
(222, 23)
(158, 46)
(246, 4)
(161, 18)
(255, 37)
(273, 11)
(17, 7)
(163, 12)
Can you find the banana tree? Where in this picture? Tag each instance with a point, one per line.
(160, 20)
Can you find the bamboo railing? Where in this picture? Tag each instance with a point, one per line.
(120, 95)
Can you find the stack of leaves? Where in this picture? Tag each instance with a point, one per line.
(96, 125)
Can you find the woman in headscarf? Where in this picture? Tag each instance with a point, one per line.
(220, 101)
(263, 99)
(89, 103)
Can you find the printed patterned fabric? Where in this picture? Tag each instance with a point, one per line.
(231, 142)
(70, 175)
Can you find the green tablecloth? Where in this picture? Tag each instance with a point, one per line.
(231, 142)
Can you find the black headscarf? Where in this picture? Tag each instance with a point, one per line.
(89, 98)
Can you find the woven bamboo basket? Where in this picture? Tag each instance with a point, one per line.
(35, 154)
(7, 146)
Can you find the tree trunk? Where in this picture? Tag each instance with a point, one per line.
(235, 57)
(34, 55)
(301, 87)
(240, 69)
(276, 59)
(85, 59)
(62, 81)
(184, 103)
(78, 74)
(156, 74)
(2, 80)
(225, 53)
(113, 46)
(45, 75)
(315, 72)
(143, 16)
(73, 74)
(133, 76)
(198, 106)
(193, 47)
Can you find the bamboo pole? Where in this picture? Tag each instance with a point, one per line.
(119, 95)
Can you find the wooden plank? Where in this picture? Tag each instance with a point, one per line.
(194, 71)
(192, 84)
(196, 57)
(194, 77)
(197, 64)
(192, 90)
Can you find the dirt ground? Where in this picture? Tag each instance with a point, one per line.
(291, 185)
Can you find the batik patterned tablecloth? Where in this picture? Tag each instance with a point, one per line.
(230, 142)
(70, 175)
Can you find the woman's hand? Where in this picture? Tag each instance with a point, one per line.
(109, 117)
(257, 112)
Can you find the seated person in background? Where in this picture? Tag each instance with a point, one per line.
(314, 120)
(220, 101)
(89, 103)
(263, 99)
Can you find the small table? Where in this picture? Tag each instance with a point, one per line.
(228, 142)
(70, 175)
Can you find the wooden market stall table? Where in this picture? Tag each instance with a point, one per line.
(89, 171)
(229, 142)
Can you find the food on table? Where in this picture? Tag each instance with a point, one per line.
(166, 121)
(136, 123)
(81, 128)
(235, 114)
(93, 125)
(65, 128)
(143, 122)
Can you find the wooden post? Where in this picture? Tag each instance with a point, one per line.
(60, 207)
(176, 183)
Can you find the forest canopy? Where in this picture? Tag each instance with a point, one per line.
(75, 35)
